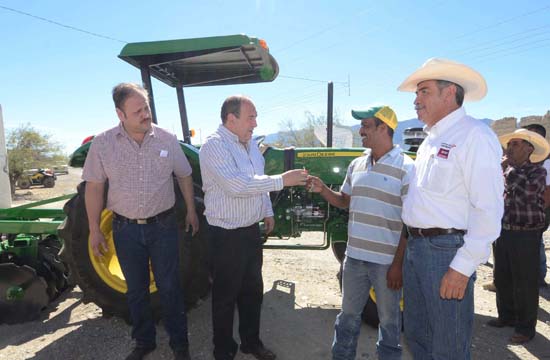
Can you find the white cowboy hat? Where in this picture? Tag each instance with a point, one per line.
(542, 147)
(471, 81)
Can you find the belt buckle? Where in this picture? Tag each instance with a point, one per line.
(141, 221)
(420, 232)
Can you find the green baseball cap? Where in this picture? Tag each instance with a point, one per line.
(384, 113)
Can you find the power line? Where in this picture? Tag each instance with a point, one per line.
(322, 31)
(512, 53)
(359, 35)
(315, 80)
(503, 22)
(492, 44)
(318, 96)
(62, 25)
(514, 48)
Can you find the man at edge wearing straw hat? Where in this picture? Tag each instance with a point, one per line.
(452, 211)
(517, 249)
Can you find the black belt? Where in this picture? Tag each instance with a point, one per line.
(432, 232)
(521, 228)
(149, 220)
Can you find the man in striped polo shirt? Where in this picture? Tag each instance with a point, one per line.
(374, 189)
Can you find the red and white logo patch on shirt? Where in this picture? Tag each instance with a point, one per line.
(444, 150)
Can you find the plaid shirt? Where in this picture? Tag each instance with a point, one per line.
(523, 201)
(140, 176)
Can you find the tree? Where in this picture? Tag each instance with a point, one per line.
(28, 148)
(305, 136)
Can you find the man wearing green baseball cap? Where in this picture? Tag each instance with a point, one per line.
(373, 190)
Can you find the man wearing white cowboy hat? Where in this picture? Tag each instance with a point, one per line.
(517, 249)
(452, 211)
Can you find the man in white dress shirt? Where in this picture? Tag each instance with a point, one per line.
(453, 210)
(236, 198)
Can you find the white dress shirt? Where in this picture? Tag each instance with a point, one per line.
(546, 165)
(236, 191)
(458, 184)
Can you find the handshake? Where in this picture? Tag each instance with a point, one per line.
(301, 177)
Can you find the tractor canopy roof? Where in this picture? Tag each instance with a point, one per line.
(218, 60)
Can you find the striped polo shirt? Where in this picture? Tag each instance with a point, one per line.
(377, 193)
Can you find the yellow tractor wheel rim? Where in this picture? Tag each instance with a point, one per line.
(373, 297)
(107, 266)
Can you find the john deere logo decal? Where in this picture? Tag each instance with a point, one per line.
(314, 154)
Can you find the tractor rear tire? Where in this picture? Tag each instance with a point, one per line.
(370, 314)
(194, 269)
(339, 251)
(48, 182)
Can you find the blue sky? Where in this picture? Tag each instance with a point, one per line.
(59, 80)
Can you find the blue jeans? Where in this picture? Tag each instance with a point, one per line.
(358, 277)
(435, 328)
(135, 245)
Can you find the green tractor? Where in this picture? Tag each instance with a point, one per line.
(236, 59)
(223, 60)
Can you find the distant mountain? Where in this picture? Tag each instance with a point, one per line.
(397, 136)
(403, 125)
(271, 138)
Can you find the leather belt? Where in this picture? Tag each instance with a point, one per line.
(416, 232)
(149, 220)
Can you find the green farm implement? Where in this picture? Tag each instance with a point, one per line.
(31, 270)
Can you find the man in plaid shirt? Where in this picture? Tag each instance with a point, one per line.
(517, 249)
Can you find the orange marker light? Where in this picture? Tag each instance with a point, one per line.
(87, 139)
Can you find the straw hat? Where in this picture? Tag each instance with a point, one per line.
(471, 81)
(542, 148)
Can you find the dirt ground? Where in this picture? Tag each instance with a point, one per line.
(301, 301)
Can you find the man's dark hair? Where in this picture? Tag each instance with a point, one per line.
(232, 105)
(459, 95)
(377, 122)
(538, 128)
(123, 91)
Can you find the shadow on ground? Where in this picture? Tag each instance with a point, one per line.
(294, 332)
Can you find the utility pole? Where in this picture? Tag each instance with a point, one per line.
(5, 196)
(329, 113)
